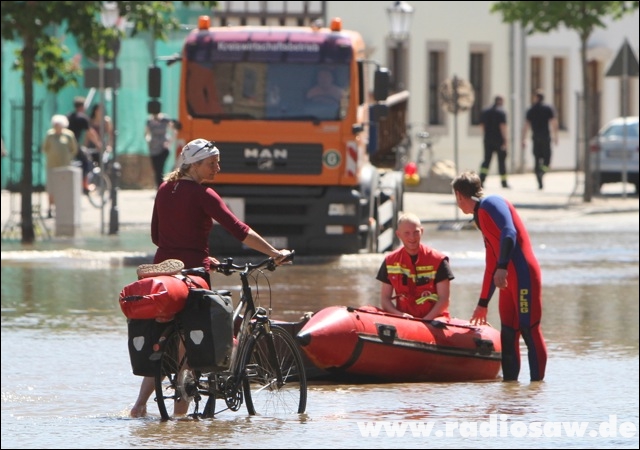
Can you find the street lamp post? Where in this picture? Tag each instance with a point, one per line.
(399, 23)
(110, 16)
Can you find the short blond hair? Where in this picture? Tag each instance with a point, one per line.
(409, 217)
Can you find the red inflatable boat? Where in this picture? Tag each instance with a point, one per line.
(368, 343)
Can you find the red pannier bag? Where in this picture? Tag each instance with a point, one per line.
(158, 297)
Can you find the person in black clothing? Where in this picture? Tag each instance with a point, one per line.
(494, 126)
(78, 119)
(541, 119)
(79, 123)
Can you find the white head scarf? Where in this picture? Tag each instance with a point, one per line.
(197, 150)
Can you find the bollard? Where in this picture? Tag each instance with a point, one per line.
(66, 187)
(114, 216)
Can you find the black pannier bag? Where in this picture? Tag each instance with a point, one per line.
(207, 321)
(143, 334)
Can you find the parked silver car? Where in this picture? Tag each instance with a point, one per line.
(613, 150)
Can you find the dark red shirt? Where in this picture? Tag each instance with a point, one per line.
(182, 219)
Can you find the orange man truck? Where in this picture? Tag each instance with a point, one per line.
(309, 137)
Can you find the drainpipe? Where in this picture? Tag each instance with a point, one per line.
(523, 90)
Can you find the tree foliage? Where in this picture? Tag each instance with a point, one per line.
(43, 57)
(583, 17)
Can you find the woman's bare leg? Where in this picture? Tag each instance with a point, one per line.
(146, 389)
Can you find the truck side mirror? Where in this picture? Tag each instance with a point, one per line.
(155, 85)
(381, 83)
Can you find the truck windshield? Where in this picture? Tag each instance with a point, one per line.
(266, 90)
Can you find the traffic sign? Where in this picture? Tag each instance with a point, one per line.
(625, 63)
(92, 78)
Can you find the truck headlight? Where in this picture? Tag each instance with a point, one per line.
(342, 209)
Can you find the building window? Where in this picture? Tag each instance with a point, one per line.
(559, 76)
(435, 77)
(536, 75)
(477, 80)
(294, 13)
(398, 64)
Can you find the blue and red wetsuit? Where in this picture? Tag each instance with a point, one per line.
(508, 246)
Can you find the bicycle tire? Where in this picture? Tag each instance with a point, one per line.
(173, 381)
(98, 189)
(261, 393)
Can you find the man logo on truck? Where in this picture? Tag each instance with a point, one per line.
(265, 164)
(266, 158)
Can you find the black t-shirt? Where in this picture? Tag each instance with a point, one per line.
(539, 116)
(443, 273)
(78, 123)
(491, 118)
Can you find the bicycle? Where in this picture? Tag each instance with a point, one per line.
(98, 188)
(266, 371)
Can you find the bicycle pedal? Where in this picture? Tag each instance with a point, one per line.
(251, 370)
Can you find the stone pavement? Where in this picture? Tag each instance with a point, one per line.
(562, 193)
(560, 198)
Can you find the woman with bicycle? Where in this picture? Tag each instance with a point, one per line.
(182, 218)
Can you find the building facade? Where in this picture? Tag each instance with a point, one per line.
(445, 39)
(464, 39)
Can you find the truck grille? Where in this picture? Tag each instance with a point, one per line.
(277, 159)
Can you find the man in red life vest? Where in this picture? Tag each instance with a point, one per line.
(416, 276)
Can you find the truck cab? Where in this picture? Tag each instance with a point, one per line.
(301, 120)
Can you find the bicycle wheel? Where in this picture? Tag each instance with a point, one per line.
(264, 395)
(176, 385)
(98, 188)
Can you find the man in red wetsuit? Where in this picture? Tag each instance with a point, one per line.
(418, 275)
(512, 267)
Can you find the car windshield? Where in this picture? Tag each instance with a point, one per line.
(618, 130)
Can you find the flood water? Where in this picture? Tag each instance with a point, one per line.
(67, 381)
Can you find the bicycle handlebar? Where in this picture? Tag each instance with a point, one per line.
(227, 267)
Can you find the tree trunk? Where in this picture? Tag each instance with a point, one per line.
(588, 179)
(28, 53)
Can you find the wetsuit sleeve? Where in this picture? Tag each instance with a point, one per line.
(499, 232)
(500, 215)
(506, 248)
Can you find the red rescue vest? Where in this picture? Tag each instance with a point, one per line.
(414, 284)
